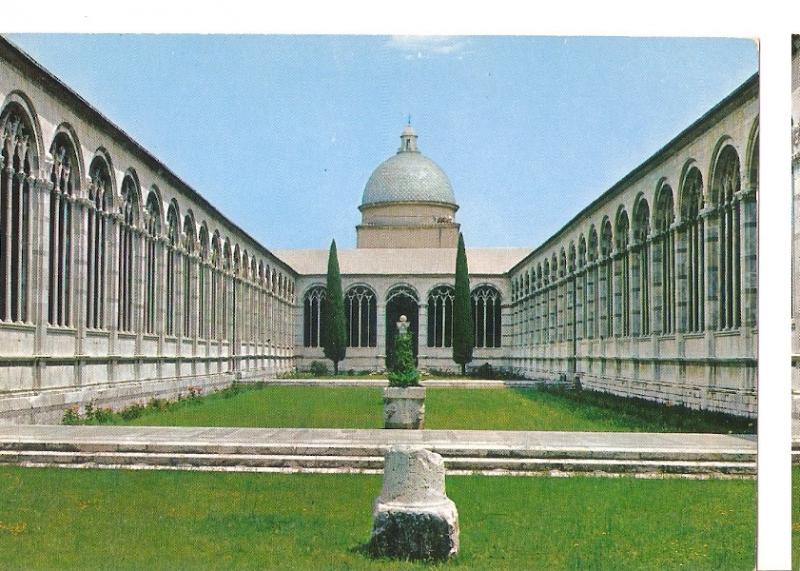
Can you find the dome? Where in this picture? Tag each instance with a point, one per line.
(408, 176)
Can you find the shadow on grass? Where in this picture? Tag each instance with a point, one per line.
(653, 416)
(363, 550)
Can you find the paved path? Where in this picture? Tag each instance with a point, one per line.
(435, 383)
(356, 450)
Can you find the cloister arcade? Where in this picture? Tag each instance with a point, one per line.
(113, 271)
(119, 282)
(651, 290)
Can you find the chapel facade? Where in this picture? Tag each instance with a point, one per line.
(119, 282)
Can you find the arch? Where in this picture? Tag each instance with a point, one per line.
(402, 289)
(189, 243)
(752, 157)
(440, 314)
(173, 235)
(724, 274)
(19, 112)
(401, 299)
(663, 220)
(361, 316)
(129, 202)
(65, 179)
(101, 198)
(313, 315)
(152, 230)
(487, 316)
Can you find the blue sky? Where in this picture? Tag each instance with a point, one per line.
(282, 132)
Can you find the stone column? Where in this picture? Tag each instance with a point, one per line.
(748, 235)
(711, 267)
(422, 326)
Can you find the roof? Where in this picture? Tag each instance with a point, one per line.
(404, 261)
(408, 176)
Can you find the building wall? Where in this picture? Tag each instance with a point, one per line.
(625, 314)
(373, 358)
(170, 262)
(407, 225)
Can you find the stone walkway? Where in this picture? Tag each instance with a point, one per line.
(356, 450)
(434, 383)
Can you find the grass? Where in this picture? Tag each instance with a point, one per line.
(446, 408)
(795, 517)
(89, 519)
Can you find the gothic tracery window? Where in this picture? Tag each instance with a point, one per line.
(64, 177)
(641, 262)
(664, 218)
(152, 230)
(97, 224)
(313, 313)
(189, 239)
(129, 208)
(486, 315)
(623, 276)
(173, 242)
(440, 316)
(361, 317)
(726, 186)
(692, 236)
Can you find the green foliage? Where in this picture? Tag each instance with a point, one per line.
(463, 334)
(318, 369)
(334, 332)
(404, 371)
(71, 416)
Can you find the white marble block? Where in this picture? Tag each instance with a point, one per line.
(413, 518)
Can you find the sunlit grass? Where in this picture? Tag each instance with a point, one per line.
(90, 519)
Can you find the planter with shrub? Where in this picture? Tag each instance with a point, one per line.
(404, 398)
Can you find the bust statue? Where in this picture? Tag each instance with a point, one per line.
(402, 325)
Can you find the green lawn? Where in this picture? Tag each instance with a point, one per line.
(795, 517)
(445, 408)
(88, 519)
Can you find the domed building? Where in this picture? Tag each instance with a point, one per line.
(404, 264)
(408, 202)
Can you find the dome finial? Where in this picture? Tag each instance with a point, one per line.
(408, 139)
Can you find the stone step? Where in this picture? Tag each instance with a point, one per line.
(362, 463)
(366, 450)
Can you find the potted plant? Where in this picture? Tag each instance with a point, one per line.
(404, 398)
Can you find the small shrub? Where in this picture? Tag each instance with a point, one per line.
(318, 369)
(71, 416)
(133, 411)
(404, 372)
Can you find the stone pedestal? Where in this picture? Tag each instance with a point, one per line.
(404, 407)
(413, 518)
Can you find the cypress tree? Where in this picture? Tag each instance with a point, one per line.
(334, 333)
(463, 334)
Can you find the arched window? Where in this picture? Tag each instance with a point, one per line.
(486, 315)
(640, 277)
(152, 229)
(606, 271)
(592, 286)
(725, 189)
(440, 316)
(129, 208)
(361, 317)
(18, 158)
(189, 238)
(225, 297)
(96, 243)
(694, 244)
(65, 177)
(173, 240)
(202, 284)
(665, 242)
(583, 296)
(216, 293)
(313, 312)
(623, 276)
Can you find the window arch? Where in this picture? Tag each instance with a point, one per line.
(725, 189)
(65, 178)
(189, 241)
(640, 270)
(361, 316)
(486, 316)
(663, 219)
(216, 282)
(313, 316)
(202, 285)
(693, 236)
(18, 160)
(97, 216)
(606, 271)
(623, 275)
(129, 209)
(440, 316)
(173, 241)
(152, 230)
